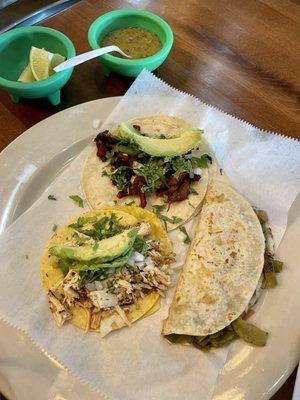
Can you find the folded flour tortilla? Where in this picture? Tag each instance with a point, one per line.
(223, 266)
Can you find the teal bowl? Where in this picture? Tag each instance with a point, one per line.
(14, 55)
(131, 18)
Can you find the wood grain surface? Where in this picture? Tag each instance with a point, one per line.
(241, 56)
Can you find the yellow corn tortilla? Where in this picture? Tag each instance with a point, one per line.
(51, 274)
(99, 190)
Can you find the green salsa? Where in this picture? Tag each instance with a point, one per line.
(136, 42)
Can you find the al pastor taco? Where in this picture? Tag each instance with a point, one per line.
(158, 162)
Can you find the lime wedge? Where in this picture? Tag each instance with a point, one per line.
(39, 63)
(55, 59)
(27, 75)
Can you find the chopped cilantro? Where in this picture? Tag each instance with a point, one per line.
(173, 220)
(80, 240)
(187, 239)
(95, 247)
(180, 165)
(101, 228)
(130, 150)
(77, 200)
(176, 220)
(78, 224)
(54, 228)
(201, 162)
(154, 175)
(159, 207)
(130, 203)
(82, 221)
(119, 177)
(51, 197)
(193, 191)
(140, 245)
(104, 173)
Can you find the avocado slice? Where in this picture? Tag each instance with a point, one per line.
(173, 147)
(107, 250)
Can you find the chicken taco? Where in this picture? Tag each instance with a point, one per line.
(106, 269)
(158, 162)
(229, 263)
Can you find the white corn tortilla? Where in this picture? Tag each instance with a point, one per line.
(99, 190)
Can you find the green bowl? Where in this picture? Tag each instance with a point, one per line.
(14, 55)
(131, 18)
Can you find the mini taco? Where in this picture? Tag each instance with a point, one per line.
(229, 263)
(158, 162)
(107, 268)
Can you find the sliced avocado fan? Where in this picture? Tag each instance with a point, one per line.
(172, 147)
(107, 249)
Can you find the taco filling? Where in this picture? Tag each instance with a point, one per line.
(241, 328)
(231, 261)
(107, 267)
(148, 162)
(136, 173)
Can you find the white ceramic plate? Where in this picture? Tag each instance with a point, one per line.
(27, 167)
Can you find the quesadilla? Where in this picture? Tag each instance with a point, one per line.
(106, 269)
(158, 162)
(229, 262)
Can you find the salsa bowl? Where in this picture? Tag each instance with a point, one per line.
(131, 18)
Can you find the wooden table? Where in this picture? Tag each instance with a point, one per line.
(241, 56)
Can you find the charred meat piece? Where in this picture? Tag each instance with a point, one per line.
(101, 151)
(196, 178)
(136, 185)
(172, 181)
(143, 200)
(122, 193)
(182, 192)
(172, 185)
(123, 159)
(106, 137)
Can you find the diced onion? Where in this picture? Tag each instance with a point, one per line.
(138, 256)
(90, 286)
(131, 261)
(198, 171)
(103, 299)
(98, 285)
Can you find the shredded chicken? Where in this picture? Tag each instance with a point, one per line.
(123, 315)
(103, 299)
(59, 312)
(126, 285)
(156, 257)
(156, 279)
(70, 287)
(95, 318)
(122, 288)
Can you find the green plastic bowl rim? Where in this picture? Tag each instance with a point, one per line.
(137, 61)
(45, 82)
